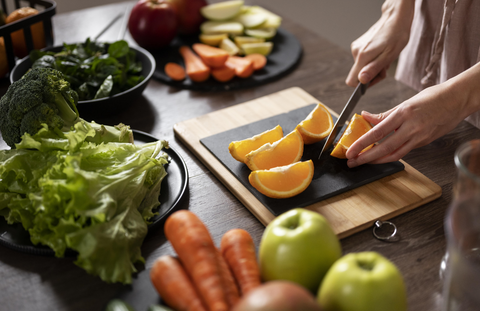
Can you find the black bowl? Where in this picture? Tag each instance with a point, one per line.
(107, 106)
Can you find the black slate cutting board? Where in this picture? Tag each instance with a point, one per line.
(331, 177)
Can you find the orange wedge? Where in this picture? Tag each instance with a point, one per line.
(356, 128)
(284, 181)
(285, 151)
(239, 149)
(316, 126)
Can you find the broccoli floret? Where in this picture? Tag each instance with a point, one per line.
(43, 96)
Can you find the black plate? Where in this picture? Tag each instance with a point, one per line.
(174, 186)
(285, 55)
(104, 106)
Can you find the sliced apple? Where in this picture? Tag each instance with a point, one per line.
(212, 39)
(263, 48)
(239, 40)
(251, 20)
(215, 27)
(272, 20)
(264, 33)
(229, 46)
(222, 10)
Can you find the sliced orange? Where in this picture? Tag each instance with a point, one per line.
(284, 181)
(355, 129)
(285, 151)
(239, 149)
(316, 126)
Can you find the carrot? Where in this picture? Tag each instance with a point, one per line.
(175, 71)
(229, 283)
(198, 254)
(243, 67)
(211, 56)
(259, 60)
(174, 286)
(238, 249)
(197, 71)
(223, 74)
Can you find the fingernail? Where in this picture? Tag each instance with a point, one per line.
(352, 163)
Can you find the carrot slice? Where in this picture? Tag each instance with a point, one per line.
(223, 74)
(243, 67)
(197, 71)
(231, 289)
(174, 286)
(238, 249)
(175, 71)
(259, 60)
(197, 252)
(211, 56)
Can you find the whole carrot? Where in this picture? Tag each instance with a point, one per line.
(174, 286)
(230, 285)
(198, 254)
(238, 249)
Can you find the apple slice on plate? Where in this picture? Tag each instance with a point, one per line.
(272, 19)
(229, 46)
(264, 33)
(222, 10)
(263, 48)
(239, 40)
(212, 39)
(215, 27)
(251, 20)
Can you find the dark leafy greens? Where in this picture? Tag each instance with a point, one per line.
(94, 69)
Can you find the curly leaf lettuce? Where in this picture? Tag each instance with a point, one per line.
(93, 198)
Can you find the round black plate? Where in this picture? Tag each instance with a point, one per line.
(174, 186)
(286, 53)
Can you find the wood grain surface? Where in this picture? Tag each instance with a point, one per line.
(30, 282)
(348, 212)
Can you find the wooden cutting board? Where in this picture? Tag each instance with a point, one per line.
(347, 213)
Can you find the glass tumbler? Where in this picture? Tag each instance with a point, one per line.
(461, 287)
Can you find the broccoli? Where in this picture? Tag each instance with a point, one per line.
(43, 96)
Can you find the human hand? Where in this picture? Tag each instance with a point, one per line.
(375, 50)
(414, 123)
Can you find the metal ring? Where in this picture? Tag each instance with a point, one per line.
(379, 224)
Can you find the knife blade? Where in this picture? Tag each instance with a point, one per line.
(344, 116)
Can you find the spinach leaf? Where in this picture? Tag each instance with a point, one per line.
(105, 88)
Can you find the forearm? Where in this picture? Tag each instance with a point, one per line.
(465, 87)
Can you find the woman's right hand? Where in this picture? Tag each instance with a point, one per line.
(375, 50)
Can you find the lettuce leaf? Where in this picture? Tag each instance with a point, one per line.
(94, 198)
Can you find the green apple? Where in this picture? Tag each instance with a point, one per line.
(298, 246)
(263, 48)
(264, 33)
(363, 281)
(222, 10)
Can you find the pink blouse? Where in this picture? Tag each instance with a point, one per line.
(444, 41)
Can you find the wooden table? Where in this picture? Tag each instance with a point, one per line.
(30, 282)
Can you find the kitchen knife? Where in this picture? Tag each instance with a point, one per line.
(344, 116)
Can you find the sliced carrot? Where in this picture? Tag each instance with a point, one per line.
(197, 71)
(175, 71)
(243, 67)
(229, 283)
(211, 56)
(194, 246)
(174, 286)
(223, 74)
(259, 60)
(238, 249)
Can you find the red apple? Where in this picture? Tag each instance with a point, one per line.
(278, 296)
(153, 23)
(189, 16)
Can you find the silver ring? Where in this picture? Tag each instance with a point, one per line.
(379, 224)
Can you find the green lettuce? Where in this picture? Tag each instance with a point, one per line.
(94, 198)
